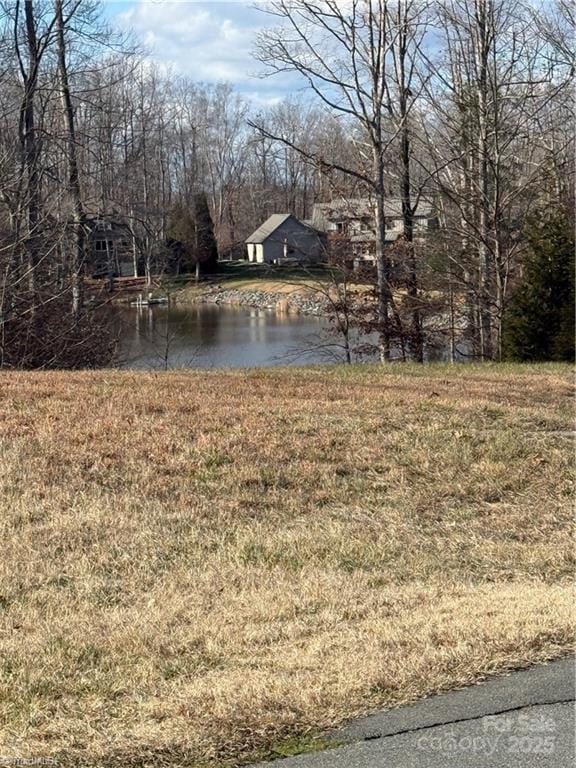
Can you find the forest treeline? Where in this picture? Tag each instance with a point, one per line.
(466, 103)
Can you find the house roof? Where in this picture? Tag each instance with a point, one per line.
(370, 237)
(362, 237)
(363, 207)
(270, 225)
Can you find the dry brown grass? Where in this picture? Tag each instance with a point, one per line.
(196, 565)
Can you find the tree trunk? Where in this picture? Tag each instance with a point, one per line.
(403, 82)
(134, 243)
(417, 343)
(77, 261)
(382, 263)
(30, 148)
(482, 48)
(452, 320)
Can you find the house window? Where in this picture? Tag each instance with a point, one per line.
(103, 245)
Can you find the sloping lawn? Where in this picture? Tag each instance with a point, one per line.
(197, 566)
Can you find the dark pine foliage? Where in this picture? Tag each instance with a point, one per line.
(539, 322)
(191, 239)
(206, 247)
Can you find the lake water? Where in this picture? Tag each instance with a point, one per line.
(209, 336)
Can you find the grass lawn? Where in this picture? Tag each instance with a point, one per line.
(238, 275)
(198, 568)
(243, 270)
(245, 276)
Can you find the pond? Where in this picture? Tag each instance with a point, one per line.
(221, 336)
(209, 336)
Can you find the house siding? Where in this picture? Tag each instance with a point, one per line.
(350, 223)
(291, 241)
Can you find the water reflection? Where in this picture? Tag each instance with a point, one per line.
(207, 336)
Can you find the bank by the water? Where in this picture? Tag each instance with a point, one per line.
(302, 302)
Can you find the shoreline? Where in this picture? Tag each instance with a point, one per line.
(293, 302)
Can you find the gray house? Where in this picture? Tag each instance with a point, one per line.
(352, 221)
(283, 239)
(111, 251)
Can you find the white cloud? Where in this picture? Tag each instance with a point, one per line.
(210, 42)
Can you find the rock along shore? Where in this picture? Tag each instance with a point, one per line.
(295, 302)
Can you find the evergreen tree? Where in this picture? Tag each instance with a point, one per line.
(206, 249)
(181, 239)
(539, 322)
(191, 237)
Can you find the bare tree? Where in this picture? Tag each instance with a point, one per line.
(488, 95)
(29, 61)
(78, 258)
(343, 53)
(405, 84)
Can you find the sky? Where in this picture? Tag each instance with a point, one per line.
(209, 41)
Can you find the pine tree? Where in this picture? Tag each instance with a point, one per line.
(181, 239)
(191, 237)
(539, 322)
(206, 249)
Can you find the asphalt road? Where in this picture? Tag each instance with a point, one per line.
(523, 720)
